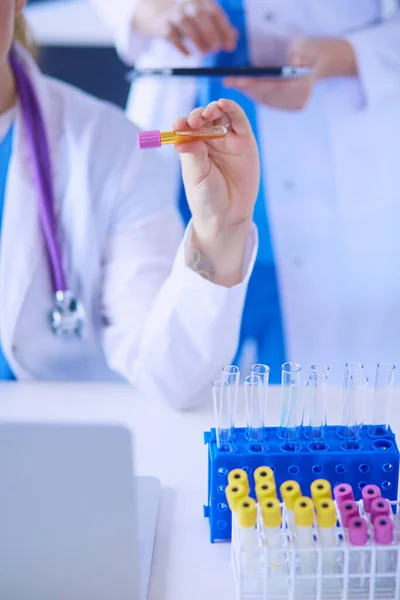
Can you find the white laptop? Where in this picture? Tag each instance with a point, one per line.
(75, 524)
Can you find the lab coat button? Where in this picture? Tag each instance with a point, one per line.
(14, 349)
(269, 16)
(297, 262)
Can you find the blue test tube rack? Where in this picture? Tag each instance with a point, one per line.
(375, 459)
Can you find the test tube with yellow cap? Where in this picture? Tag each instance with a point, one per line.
(246, 521)
(320, 489)
(239, 476)
(326, 520)
(290, 492)
(304, 520)
(234, 494)
(263, 474)
(265, 491)
(272, 518)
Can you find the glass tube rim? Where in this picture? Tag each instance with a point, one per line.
(361, 378)
(386, 366)
(265, 372)
(220, 384)
(234, 370)
(290, 364)
(316, 368)
(352, 365)
(318, 378)
(252, 380)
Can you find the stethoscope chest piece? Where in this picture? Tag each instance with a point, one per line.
(68, 316)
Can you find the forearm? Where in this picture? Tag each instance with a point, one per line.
(219, 257)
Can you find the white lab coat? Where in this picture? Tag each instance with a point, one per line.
(150, 319)
(331, 180)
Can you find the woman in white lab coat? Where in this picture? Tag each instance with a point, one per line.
(160, 312)
(330, 187)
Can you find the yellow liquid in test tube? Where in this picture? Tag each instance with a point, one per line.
(149, 140)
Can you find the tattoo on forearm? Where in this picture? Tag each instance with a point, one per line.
(200, 264)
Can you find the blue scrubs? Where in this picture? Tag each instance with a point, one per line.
(262, 318)
(5, 155)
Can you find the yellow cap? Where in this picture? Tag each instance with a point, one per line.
(247, 512)
(326, 513)
(304, 512)
(265, 489)
(290, 491)
(271, 512)
(263, 474)
(235, 493)
(320, 488)
(239, 476)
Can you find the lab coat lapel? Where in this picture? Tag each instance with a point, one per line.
(22, 246)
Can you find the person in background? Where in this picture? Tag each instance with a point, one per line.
(81, 205)
(325, 286)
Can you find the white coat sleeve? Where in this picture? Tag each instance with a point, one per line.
(377, 52)
(118, 15)
(167, 330)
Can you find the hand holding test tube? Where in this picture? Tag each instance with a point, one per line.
(228, 167)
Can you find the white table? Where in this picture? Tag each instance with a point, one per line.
(68, 23)
(168, 445)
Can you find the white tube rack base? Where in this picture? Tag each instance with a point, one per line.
(289, 572)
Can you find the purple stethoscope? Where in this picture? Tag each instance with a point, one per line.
(67, 316)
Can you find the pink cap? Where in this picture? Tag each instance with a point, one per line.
(358, 531)
(343, 493)
(149, 140)
(369, 493)
(380, 507)
(348, 510)
(383, 530)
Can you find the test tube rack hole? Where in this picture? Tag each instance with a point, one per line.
(376, 460)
